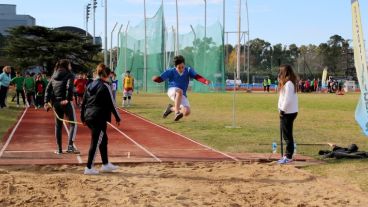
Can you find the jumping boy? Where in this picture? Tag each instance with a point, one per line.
(178, 78)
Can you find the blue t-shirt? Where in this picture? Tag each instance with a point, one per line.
(179, 80)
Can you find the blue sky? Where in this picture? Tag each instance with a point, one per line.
(276, 21)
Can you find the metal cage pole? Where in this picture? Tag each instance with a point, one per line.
(177, 29)
(105, 51)
(126, 46)
(118, 44)
(112, 31)
(145, 50)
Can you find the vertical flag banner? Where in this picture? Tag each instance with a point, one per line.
(324, 78)
(361, 111)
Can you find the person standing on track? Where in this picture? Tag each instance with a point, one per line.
(18, 82)
(178, 84)
(29, 86)
(288, 109)
(59, 92)
(128, 86)
(4, 85)
(97, 106)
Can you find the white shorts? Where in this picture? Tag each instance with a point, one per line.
(171, 93)
(128, 93)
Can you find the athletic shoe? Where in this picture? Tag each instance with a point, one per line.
(91, 171)
(109, 167)
(167, 111)
(72, 149)
(284, 160)
(59, 152)
(17, 105)
(178, 116)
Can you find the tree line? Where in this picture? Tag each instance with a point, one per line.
(308, 60)
(27, 46)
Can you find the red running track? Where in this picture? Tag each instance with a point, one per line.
(32, 141)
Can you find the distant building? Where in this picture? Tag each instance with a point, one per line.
(81, 32)
(9, 18)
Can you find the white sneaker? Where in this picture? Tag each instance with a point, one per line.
(17, 105)
(284, 160)
(109, 167)
(91, 171)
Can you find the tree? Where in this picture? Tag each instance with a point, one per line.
(37, 45)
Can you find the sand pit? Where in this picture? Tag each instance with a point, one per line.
(174, 184)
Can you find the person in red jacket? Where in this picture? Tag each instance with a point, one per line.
(80, 86)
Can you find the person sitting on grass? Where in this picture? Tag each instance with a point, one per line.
(178, 78)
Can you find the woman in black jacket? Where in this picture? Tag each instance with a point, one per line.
(97, 106)
(59, 92)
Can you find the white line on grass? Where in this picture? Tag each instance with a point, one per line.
(12, 133)
(140, 146)
(79, 158)
(226, 155)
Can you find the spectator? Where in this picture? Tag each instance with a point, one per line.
(18, 82)
(5, 80)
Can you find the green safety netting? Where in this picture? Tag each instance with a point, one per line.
(203, 54)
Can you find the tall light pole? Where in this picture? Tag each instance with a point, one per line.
(112, 31)
(105, 51)
(94, 5)
(246, 4)
(88, 8)
(223, 42)
(238, 49)
(126, 46)
(118, 44)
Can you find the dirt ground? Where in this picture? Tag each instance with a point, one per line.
(175, 184)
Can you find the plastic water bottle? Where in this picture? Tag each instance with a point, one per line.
(294, 147)
(274, 147)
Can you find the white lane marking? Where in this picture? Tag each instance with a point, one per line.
(12, 133)
(226, 155)
(140, 146)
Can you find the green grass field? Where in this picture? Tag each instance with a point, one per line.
(322, 118)
(8, 115)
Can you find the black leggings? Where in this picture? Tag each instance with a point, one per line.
(69, 111)
(3, 91)
(98, 140)
(286, 124)
(21, 92)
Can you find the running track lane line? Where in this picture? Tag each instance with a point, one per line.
(140, 146)
(226, 155)
(12, 133)
(79, 158)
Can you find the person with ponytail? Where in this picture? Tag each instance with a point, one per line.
(59, 95)
(288, 108)
(97, 105)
